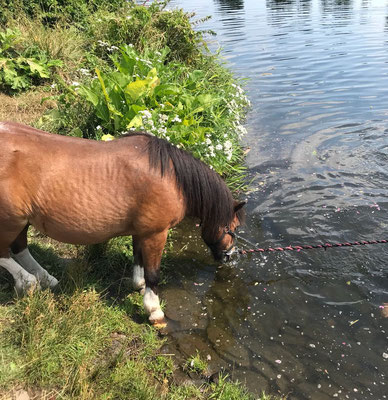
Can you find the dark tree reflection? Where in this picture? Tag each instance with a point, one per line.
(230, 5)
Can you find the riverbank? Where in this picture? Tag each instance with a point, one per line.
(91, 339)
(92, 72)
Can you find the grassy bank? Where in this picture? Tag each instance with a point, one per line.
(94, 69)
(91, 339)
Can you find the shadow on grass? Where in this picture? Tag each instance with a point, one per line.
(105, 267)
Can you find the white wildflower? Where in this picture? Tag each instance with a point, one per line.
(84, 71)
(208, 141)
(145, 114)
(75, 84)
(241, 131)
(176, 119)
(163, 118)
(102, 44)
(219, 147)
(112, 48)
(228, 145)
(98, 127)
(233, 105)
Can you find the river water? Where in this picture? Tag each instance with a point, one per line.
(311, 324)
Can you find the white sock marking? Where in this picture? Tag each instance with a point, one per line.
(28, 262)
(152, 305)
(138, 277)
(23, 279)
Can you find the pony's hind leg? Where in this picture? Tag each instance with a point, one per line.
(23, 279)
(138, 269)
(151, 250)
(23, 256)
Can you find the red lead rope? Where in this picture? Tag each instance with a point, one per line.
(310, 247)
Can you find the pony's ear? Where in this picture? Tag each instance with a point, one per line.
(239, 205)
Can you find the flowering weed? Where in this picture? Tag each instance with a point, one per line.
(200, 110)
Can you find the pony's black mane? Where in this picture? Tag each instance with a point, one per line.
(206, 194)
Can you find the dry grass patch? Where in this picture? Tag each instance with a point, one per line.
(25, 108)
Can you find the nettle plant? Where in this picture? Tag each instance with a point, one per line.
(20, 68)
(199, 110)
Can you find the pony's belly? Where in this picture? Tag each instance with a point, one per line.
(77, 233)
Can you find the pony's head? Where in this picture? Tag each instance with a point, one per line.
(225, 244)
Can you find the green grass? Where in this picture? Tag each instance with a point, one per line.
(90, 339)
(196, 364)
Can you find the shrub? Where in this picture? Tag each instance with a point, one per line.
(197, 109)
(22, 68)
(54, 11)
(151, 27)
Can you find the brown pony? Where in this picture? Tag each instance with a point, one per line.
(84, 191)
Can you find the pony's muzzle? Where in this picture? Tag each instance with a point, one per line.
(227, 255)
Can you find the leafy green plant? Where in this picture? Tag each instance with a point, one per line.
(20, 69)
(196, 364)
(224, 389)
(197, 109)
(153, 27)
(53, 11)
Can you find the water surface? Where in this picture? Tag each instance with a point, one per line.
(306, 324)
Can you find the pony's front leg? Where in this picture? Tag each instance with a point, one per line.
(24, 281)
(151, 250)
(23, 256)
(138, 270)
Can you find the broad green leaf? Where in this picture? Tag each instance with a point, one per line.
(54, 63)
(136, 89)
(20, 82)
(197, 110)
(41, 70)
(167, 90)
(133, 111)
(126, 65)
(76, 132)
(206, 99)
(107, 137)
(136, 122)
(152, 73)
(89, 94)
(189, 121)
(152, 83)
(102, 111)
(121, 79)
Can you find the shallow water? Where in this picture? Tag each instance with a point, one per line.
(306, 324)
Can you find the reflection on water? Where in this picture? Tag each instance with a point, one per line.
(230, 6)
(310, 323)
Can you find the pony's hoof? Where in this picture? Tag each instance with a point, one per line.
(50, 282)
(27, 285)
(159, 324)
(158, 319)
